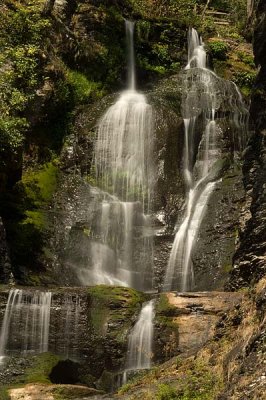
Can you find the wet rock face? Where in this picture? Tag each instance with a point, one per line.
(250, 261)
(75, 205)
(212, 259)
(214, 249)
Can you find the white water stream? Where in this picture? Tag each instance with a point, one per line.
(121, 252)
(26, 322)
(139, 354)
(203, 95)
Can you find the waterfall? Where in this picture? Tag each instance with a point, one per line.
(131, 54)
(203, 95)
(139, 354)
(121, 243)
(70, 312)
(25, 327)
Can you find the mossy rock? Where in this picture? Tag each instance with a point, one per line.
(116, 305)
(166, 329)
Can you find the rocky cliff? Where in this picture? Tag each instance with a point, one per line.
(207, 346)
(249, 262)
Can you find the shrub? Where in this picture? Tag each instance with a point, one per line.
(246, 79)
(166, 392)
(83, 89)
(218, 49)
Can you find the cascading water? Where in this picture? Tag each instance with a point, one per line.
(25, 327)
(121, 245)
(139, 354)
(69, 325)
(203, 97)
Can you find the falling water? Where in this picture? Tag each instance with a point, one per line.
(139, 353)
(70, 312)
(121, 245)
(203, 95)
(131, 55)
(123, 151)
(25, 327)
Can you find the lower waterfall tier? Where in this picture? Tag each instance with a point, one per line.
(90, 329)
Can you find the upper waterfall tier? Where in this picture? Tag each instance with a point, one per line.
(123, 150)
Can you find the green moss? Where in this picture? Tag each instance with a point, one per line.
(113, 303)
(40, 185)
(38, 372)
(116, 295)
(40, 369)
(227, 268)
(164, 307)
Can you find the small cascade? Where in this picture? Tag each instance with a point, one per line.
(139, 354)
(70, 312)
(204, 95)
(25, 327)
(196, 52)
(121, 243)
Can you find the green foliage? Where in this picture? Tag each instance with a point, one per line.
(197, 382)
(245, 79)
(247, 59)
(83, 89)
(218, 49)
(183, 10)
(23, 30)
(11, 133)
(125, 388)
(166, 392)
(143, 29)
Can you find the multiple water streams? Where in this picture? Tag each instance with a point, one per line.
(27, 320)
(121, 251)
(204, 93)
